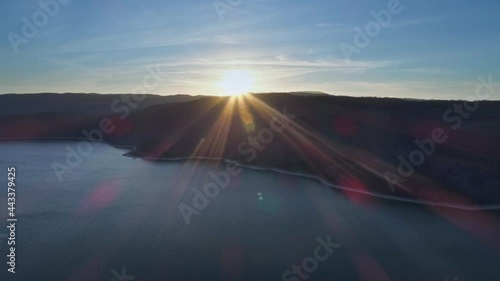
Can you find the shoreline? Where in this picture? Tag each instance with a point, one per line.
(324, 182)
(276, 170)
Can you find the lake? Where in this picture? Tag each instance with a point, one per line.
(117, 218)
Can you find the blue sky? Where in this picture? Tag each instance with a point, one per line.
(431, 49)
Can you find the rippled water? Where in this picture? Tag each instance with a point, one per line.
(113, 212)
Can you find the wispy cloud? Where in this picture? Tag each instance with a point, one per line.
(428, 70)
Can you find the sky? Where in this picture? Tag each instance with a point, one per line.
(425, 49)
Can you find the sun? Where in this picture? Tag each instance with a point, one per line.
(236, 82)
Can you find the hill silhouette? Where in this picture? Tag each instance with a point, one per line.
(364, 144)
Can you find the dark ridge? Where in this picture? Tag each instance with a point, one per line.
(351, 142)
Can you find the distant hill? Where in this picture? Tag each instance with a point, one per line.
(353, 142)
(307, 93)
(87, 104)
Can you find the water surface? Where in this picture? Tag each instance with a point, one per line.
(113, 212)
